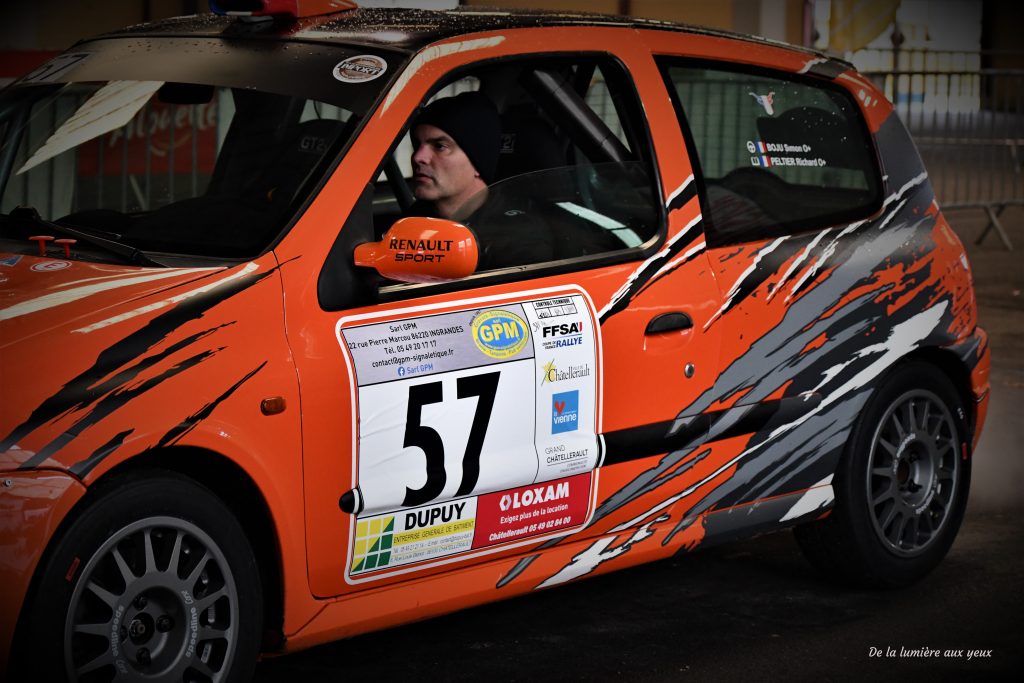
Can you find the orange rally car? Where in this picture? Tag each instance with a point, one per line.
(253, 400)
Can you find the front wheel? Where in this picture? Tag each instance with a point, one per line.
(154, 580)
(901, 487)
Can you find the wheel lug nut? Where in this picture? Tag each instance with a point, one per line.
(164, 624)
(143, 657)
(141, 601)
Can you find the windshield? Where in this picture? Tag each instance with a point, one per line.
(185, 147)
(170, 167)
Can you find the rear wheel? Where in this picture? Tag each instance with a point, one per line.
(154, 580)
(901, 487)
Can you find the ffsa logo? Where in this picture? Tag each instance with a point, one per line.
(561, 330)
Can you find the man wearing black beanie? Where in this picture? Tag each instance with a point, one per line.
(456, 141)
(455, 152)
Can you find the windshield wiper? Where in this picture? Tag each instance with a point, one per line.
(28, 214)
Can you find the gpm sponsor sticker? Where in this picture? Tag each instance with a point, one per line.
(500, 334)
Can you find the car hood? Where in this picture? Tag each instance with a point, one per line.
(43, 295)
(60, 316)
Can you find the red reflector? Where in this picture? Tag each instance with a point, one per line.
(286, 8)
(72, 569)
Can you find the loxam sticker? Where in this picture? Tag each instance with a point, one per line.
(451, 419)
(360, 69)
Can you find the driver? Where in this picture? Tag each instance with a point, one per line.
(455, 142)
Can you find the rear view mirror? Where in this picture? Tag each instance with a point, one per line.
(185, 93)
(418, 249)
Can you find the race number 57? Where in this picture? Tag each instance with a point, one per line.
(426, 438)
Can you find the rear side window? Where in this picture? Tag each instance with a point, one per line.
(776, 155)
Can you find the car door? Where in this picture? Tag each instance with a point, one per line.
(447, 424)
(789, 178)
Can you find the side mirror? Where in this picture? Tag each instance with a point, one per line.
(418, 249)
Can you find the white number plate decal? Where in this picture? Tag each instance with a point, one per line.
(476, 427)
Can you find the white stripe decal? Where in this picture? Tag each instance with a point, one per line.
(690, 253)
(101, 278)
(628, 284)
(793, 267)
(430, 54)
(70, 295)
(811, 63)
(825, 255)
(892, 215)
(679, 190)
(598, 553)
(739, 281)
(815, 498)
(250, 267)
(831, 248)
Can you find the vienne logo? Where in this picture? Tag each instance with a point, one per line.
(565, 412)
(500, 334)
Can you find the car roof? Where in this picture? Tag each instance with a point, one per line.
(410, 29)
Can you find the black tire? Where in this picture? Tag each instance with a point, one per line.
(161, 562)
(898, 506)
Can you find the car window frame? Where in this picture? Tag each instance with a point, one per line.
(783, 228)
(388, 292)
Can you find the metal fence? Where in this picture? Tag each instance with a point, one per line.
(969, 128)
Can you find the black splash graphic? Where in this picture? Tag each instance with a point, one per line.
(116, 360)
(688, 192)
(190, 422)
(110, 403)
(82, 468)
(766, 265)
(649, 270)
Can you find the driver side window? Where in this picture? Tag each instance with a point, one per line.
(570, 178)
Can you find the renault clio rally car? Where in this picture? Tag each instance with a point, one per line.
(251, 406)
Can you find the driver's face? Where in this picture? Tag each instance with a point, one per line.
(442, 172)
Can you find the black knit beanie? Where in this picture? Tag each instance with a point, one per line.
(471, 119)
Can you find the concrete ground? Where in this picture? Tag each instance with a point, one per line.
(755, 610)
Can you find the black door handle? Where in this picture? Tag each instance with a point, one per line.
(669, 322)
